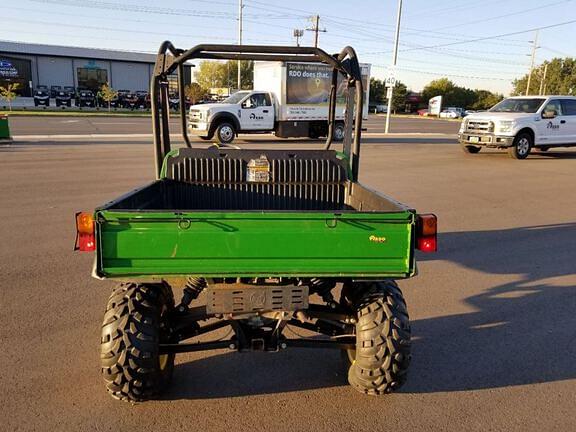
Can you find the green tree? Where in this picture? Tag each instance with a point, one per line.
(399, 97)
(485, 99)
(215, 74)
(194, 92)
(8, 93)
(560, 78)
(108, 94)
(377, 91)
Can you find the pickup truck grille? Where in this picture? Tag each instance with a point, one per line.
(296, 180)
(195, 115)
(479, 126)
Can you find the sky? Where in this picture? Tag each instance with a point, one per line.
(482, 44)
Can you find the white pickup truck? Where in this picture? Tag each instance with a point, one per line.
(521, 124)
(291, 101)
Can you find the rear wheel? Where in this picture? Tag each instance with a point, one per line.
(225, 133)
(522, 145)
(471, 149)
(338, 134)
(135, 322)
(379, 363)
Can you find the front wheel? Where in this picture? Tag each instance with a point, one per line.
(225, 133)
(523, 143)
(135, 322)
(379, 363)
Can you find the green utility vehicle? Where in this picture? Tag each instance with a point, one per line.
(256, 241)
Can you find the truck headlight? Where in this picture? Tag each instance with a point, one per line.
(463, 125)
(505, 126)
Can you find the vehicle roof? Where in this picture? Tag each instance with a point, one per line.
(542, 97)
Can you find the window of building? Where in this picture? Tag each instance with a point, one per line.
(91, 78)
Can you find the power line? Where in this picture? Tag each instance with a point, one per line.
(493, 37)
(503, 16)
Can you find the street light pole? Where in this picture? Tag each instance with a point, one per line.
(390, 92)
(534, 48)
(240, 7)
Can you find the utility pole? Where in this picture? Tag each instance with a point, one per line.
(316, 28)
(390, 92)
(543, 81)
(298, 34)
(534, 48)
(240, 7)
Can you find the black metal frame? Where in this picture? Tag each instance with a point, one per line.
(171, 59)
(329, 321)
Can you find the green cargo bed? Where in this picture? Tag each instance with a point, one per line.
(206, 218)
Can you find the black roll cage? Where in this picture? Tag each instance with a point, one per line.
(171, 59)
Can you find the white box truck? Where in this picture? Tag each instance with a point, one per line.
(289, 99)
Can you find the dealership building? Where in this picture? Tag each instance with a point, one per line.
(31, 65)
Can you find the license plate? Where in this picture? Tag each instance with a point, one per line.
(474, 139)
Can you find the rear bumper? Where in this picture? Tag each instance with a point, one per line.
(485, 140)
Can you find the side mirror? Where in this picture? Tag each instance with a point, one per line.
(247, 104)
(549, 114)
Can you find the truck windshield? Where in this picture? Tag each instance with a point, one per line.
(235, 98)
(520, 105)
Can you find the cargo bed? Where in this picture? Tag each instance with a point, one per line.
(207, 216)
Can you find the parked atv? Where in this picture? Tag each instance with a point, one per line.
(63, 98)
(41, 96)
(54, 91)
(143, 99)
(257, 242)
(86, 99)
(131, 101)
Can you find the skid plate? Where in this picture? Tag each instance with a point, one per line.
(242, 299)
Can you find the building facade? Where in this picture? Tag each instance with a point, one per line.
(31, 65)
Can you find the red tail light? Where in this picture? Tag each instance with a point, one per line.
(85, 241)
(426, 232)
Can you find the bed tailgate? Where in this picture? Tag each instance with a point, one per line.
(254, 244)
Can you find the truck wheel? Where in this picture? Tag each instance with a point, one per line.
(225, 133)
(380, 361)
(522, 145)
(471, 149)
(135, 322)
(338, 133)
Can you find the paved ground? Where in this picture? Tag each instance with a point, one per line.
(493, 313)
(21, 125)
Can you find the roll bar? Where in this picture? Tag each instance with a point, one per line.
(171, 59)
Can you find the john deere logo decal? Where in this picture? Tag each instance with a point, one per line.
(377, 239)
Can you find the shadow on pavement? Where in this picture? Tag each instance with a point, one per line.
(522, 333)
(240, 374)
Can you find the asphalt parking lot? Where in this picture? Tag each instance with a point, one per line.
(64, 125)
(494, 328)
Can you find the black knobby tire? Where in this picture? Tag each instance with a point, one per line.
(382, 355)
(523, 143)
(225, 133)
(135, 322)
(471, 149)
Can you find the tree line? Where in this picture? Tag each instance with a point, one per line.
(452, 95)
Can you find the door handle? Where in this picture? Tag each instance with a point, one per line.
(562, 121)
(266, 111)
